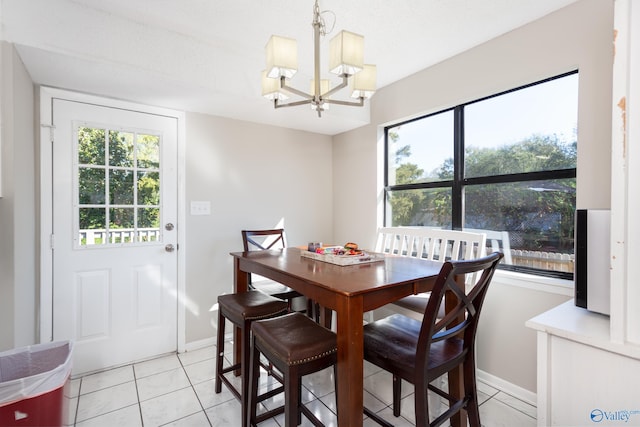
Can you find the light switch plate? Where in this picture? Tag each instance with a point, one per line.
(200, 207)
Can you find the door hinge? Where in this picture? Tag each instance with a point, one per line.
(52, 241)
(51, 129)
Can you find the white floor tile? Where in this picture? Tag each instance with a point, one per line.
(494, 413)
(170, 407)
(201, 371)
(74, 387)
(199, 419)
(129, 416)
(156, 366)
(207, 394)
(162, 383)
(517, 404)
(320, 383)
(106, 379)
(71, 410)
(189, 357)
(106, 400)
(226, 414)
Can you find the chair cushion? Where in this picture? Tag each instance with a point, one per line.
(295, 338)
(250, 305)
(392, 342)
(274, 289)
(417, 303)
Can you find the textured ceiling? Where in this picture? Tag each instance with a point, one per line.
(206, 55)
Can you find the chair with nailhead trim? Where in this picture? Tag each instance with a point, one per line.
(296, 346)
(242, 309)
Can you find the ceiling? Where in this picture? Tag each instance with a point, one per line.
(206, 55)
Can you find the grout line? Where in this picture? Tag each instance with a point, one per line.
(135, 381)
(194, 389)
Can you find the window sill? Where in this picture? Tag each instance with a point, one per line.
(538, 283)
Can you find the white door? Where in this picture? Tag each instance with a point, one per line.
(114, 233)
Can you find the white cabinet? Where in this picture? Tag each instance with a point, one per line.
(584, 378)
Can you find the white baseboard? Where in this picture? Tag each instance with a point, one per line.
(507, 387)
(197, 345)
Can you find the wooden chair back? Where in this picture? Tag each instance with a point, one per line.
(260, 240)
(461, 319)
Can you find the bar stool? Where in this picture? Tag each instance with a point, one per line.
(242, 309)
(296, 346)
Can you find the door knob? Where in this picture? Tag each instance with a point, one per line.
(169, 248)
(168, 226)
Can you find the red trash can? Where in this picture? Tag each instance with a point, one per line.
(34, 385)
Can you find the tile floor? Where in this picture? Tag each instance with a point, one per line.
(178, 390)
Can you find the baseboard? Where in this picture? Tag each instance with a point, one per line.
(507, 387)
(197, 345)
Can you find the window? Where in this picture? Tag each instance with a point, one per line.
(504, 164)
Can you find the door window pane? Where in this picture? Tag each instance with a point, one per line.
(92, 186)
(91, 145)
(93, 226)
(121, 149)
(148, 224)
(148, 151)
(119, 201)
(148, 188)
(121, 187)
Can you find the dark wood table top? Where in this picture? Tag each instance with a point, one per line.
(348, 280)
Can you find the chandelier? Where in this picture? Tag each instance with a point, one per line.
(346, 59)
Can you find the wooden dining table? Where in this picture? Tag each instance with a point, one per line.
(350, 291)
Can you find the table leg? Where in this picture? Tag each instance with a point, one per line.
(349, 384)
(240, 284)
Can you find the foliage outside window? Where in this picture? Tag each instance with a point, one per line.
(118, 181)
(505, 163)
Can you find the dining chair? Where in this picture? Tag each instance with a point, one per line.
(421, 351)
(260, 240)
(242, 309)
(297, 346)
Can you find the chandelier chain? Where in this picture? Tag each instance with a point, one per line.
(319, 19)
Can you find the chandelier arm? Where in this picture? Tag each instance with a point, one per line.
(351, 103)
(277, 104)
(345, 82)
(284, 86)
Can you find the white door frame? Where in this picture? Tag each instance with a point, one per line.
(47, 94)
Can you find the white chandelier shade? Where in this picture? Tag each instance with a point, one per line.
(282, 57)
(363, 84)
(346, 53)
(271, 88)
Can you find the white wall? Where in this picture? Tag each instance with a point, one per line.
(255, 176)
(17, 206)
(576, 37)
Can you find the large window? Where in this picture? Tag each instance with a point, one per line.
(505, 164)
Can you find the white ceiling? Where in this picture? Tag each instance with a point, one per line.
(206, 55)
